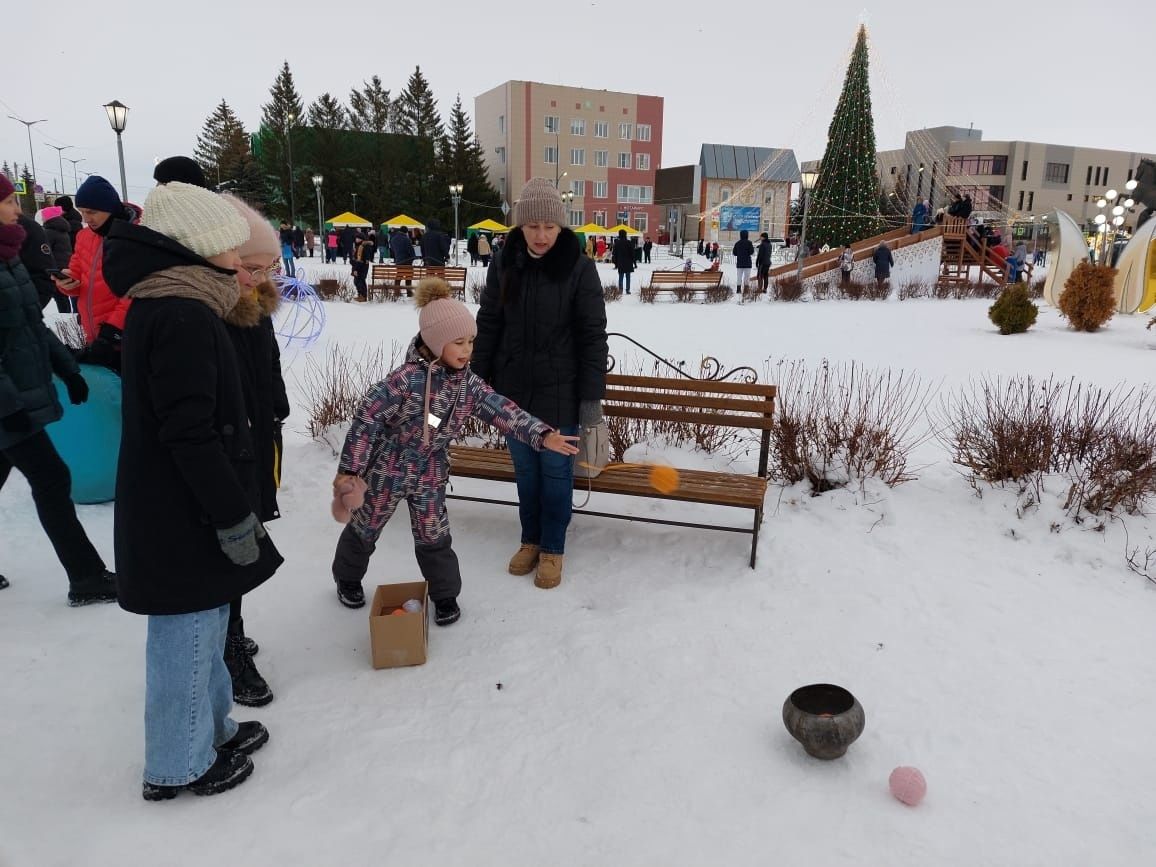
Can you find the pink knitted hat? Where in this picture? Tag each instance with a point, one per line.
(442, 319)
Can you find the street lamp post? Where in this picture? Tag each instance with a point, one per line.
(1114, 218)
(75, 181)
(317, 180)
(456, 198)
(808, 180)
(117, 118)
(60, 160)
(568, 200)
(28, 124)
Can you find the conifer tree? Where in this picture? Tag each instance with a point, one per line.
(465, 164)
(222, 147)
(371, 109)
(425, 177)
(281, 120)
(844, 205)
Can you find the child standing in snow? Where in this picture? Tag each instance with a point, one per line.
(397, 449)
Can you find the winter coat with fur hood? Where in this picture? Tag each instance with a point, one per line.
(250, 326)
(542, 329)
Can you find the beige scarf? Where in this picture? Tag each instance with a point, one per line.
(219, 292)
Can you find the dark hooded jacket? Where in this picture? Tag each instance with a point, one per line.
(435, 245)
(623, 253)
(36, 254)
(743, 250)
(250, 326)
(187, 465)
(71, 216)
(59, 236)
(542, 329)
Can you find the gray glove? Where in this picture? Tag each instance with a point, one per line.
(239, 542)
(590, 413)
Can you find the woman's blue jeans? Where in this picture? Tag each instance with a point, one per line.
(545, 487)
(188, 695)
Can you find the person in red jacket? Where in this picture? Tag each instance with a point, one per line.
(101, 313)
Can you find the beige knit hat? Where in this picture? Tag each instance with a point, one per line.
(263, 241)
(195, 218)
(539, 203)
(442, 319)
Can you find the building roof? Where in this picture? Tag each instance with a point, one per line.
(736, 162)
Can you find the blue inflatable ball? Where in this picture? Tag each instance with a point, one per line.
(88, 436)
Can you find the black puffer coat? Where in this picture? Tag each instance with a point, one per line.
(36, 254)
(542, 329)
(59, 235)
(29, 354)
(186, 456)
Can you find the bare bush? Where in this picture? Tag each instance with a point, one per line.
(477, 287)
(334, 384)
(911, 288)
(789, 288)
(719, 294)
(648, 294)
(612, 292)
(841, 423)
(70, 332)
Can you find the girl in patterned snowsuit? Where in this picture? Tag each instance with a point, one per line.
(397, 449)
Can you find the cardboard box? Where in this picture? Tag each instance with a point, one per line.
(398, 639)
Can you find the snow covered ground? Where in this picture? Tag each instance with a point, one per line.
(638, 720)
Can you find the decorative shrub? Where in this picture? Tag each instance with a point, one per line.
(1088, 300)
(1014, 312)
(611, 292)
(788, 288)
(336, 382)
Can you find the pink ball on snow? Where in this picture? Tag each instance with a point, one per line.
(907, 784)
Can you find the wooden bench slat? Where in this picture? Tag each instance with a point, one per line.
(714, 418)
(649, 398)
(702, 385)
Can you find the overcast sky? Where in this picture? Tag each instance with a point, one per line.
(729, 72)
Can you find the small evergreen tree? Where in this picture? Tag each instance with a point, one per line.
(1014, 312)
(1089, 299)
(844, 205)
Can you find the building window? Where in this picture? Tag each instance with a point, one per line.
(600, 189)
(1024, 171)
(1088, 182)
(1056, 173)
(893, 168)
(724, 194)
(578, 188)
(642, 132)
(1031, 199)
(624, 160)
(501, 151)
(553, 124)
(640, 221)
(1069, 197)
(1097, 176)
(577, 126)
(1106, 175)
(1129, 174)
(634, 194)
(624, 131)
(977, 165)
(501, 124)
(550, 155)
(1020, 206)
(601, 129)
(642, 162)
(576, 218)
(602, 158)
(577, 156)
(600, 218)
(985, 198)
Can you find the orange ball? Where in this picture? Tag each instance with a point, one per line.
(398, 611)
(664, 479)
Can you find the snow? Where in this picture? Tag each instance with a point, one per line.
(639, 716)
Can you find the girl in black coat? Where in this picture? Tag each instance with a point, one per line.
(187, 538)
(542, 343)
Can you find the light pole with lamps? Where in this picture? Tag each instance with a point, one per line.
(75, 181)
(1118, 207)
(807, 180)
(568, 200)
(117, 118)
(456, 198)
(28, 124)
(60, 160)
(317, 180)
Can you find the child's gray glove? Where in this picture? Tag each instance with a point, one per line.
(590, 413)
(239, 542)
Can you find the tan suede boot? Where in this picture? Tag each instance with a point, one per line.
(523, 562)
(549, 571)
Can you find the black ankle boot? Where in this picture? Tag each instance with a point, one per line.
(249, 688)
(87, 591)
(446, 611)
(229, 770)
(350, 594)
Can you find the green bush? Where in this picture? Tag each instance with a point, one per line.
(1014, 312)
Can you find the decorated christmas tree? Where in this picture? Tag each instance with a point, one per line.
(844, 205)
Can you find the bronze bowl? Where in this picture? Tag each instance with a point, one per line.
(824, 718)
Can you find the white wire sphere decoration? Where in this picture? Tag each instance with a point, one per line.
(300, 319)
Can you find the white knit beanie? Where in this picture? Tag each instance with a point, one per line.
(195, 218)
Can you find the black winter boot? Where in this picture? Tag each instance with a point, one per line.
(250, 737)
(446, 611)
(98, 588)
(249, 688)
(250, 645)
(350, 594)
(229, 770)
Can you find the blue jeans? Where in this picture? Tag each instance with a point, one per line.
(545, 487)
(290, 269)
(624, 276)
(188, 695)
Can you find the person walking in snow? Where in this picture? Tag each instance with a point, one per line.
(623, 259)
(744, 252)
(310, 241)
(29, 354)
(484, 251)
(884, 262)
(763, 262)
(397, 449)
(846, 265)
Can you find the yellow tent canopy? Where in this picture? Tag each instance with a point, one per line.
(613, 230)
(349, 219)
(404, 222)
(489, 225)
(592, 229)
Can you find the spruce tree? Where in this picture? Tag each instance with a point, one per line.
(221, 144)
(281, 121)
(464, 163)
(844, 205)
(371, 109)
(425, 178)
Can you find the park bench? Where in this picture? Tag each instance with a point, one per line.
(737, 405)
(389, 280)
(683, 282)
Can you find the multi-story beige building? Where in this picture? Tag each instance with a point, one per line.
(602, 146)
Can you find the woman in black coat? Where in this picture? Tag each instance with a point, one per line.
(29, 355)
(542, 343)
(187, 539)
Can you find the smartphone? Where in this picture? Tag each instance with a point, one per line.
(56, 273)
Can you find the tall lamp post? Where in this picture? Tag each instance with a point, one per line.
(117, 118)
(568, 200)
(456, 198)
(317, 180)
(75, 181)
(60, 160)
(808, 180)
(28, 124)
(1113, 218)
